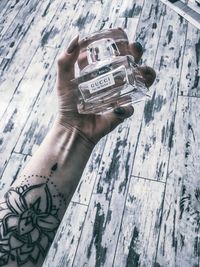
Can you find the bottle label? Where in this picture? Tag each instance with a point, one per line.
(98, 83)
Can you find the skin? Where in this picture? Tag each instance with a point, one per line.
(32, 209)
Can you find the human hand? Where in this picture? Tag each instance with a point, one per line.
(92, 126)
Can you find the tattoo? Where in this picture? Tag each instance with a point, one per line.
(54, 167)
(28, 221)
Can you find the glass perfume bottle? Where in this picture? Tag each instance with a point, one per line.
(108, 79)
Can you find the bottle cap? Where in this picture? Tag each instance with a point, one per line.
(102, 49)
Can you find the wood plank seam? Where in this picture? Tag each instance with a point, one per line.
(38, 8)
(10, 22)
(168, 161)
(33, 104)
(137, 139)
(75, 202)
(19, 83)
(149, 179)
(81, 232)
(21, 153)
(193, 96)
(86, 211)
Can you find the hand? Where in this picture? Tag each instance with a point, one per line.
(92, 126)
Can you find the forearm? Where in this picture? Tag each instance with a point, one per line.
(34, 206)
(60, 159)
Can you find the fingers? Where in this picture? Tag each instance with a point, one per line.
(148, 74)
(111, 120)
(67, 59)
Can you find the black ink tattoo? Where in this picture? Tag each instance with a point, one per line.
(27, 227)
(54, 167)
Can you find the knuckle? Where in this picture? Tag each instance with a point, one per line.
(60, 60)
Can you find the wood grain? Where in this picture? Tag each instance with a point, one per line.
(149, 29)
(14, 167)
(190, 77)
(67, 237)
(7, 17)
(18, 28)
(157, 127)
(13, 69)
(22, 102)
(139, 232)
(179, 237)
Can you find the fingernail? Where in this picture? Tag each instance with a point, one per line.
(131, 110)
(146, 70)
(72, 45)
(138, 46)
(119, 28)
(119, 111)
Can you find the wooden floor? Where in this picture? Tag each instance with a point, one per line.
(138, 202)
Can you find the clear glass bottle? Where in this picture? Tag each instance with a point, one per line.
(109, 79)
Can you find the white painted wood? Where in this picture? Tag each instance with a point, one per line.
(116, 164)
(61, 23)
(179, 238)
(157, 129)
(185, 11)
(190, 82)
(86, 185)
(100, 232)
(14, 167)
(149, 28)
(4, 5)
(9, 15)
(139, 231)
(18, 28)
(22, 102)
(130, 8)
(62, 251)
(126, 24)
(12, 70)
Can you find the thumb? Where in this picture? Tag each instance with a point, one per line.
(112, 119)
(67, 59)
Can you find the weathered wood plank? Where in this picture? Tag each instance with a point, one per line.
(4, 4)
(157, 129)
(18, 28)
(85, 188)
(104, 215)
(13, 169)
(140, 224)
(126, 24)
(22, 102)
(9, 15)
(149, 27)
(41, 117)
(179, 238)
(62, 251)
(190, 76)
(130, 8)
(12, 70)
(119, 152)
(56, 32)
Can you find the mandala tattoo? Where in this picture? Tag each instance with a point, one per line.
(27, 226)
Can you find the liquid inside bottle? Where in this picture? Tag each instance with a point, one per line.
(109, 80)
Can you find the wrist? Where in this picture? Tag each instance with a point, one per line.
(72, 128)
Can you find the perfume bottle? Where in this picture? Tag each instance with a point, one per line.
(108, 78)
